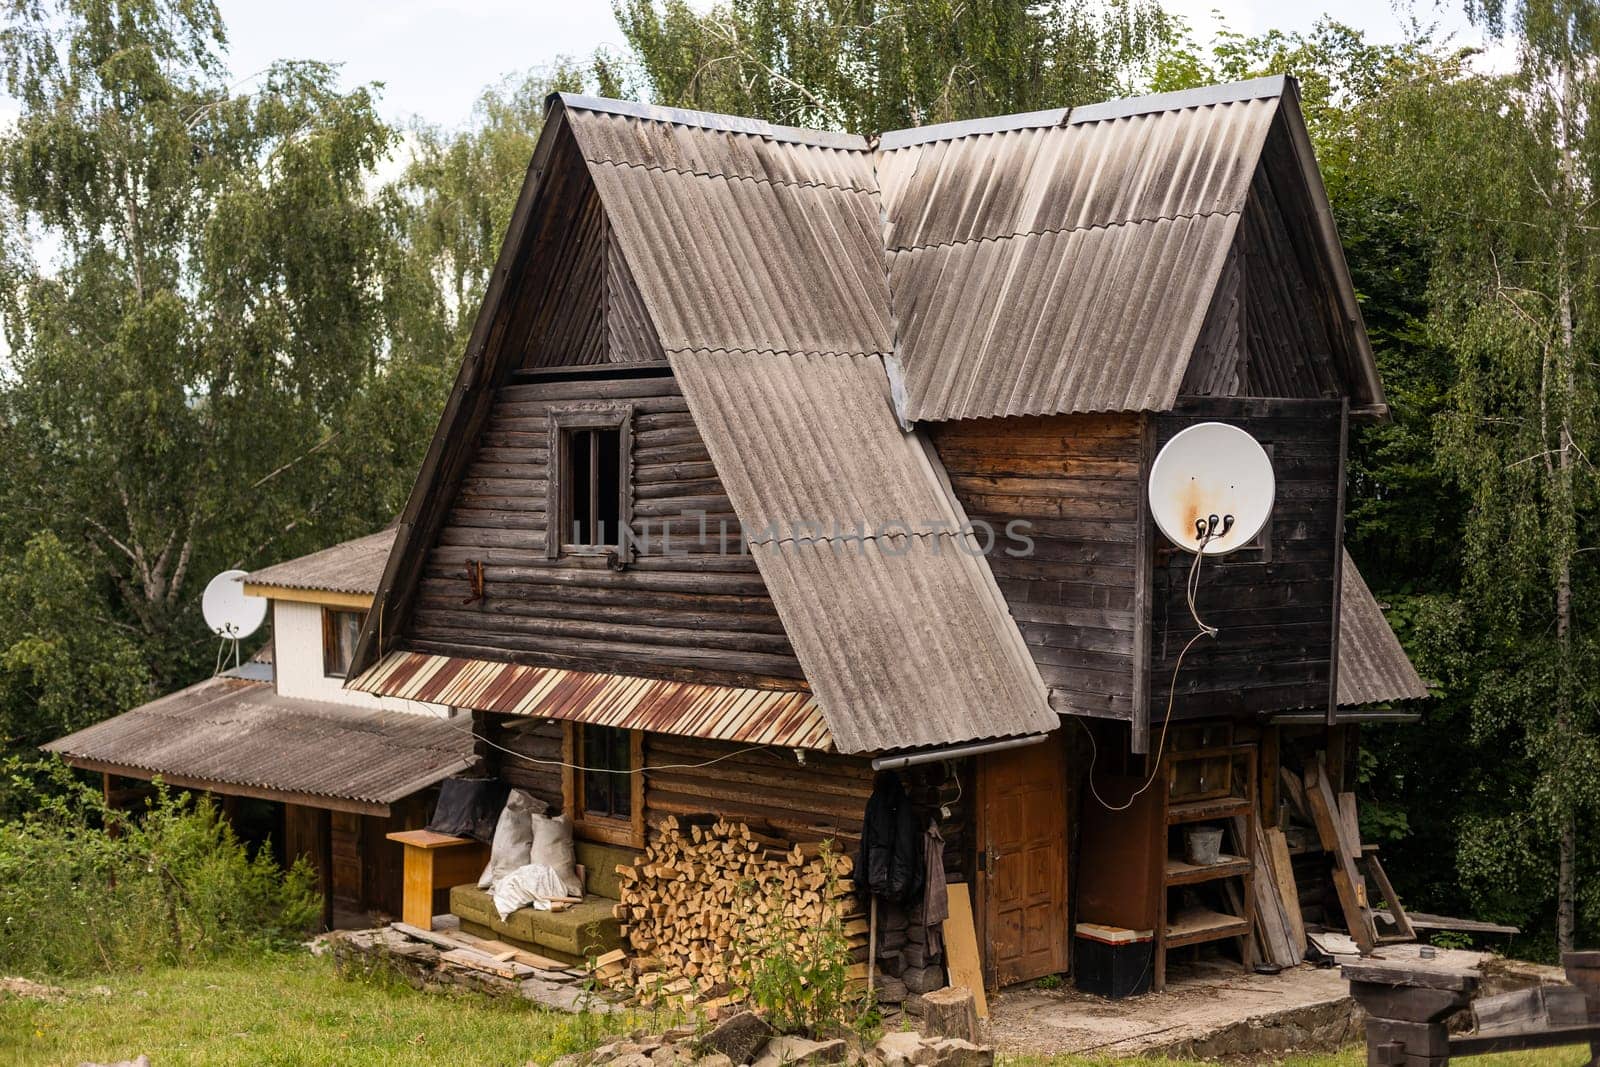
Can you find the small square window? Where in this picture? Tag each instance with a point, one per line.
(589, 491)
(340, 631)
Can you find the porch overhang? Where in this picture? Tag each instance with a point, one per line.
(787, 718)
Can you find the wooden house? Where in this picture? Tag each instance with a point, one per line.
(292, 756)
(780, 455)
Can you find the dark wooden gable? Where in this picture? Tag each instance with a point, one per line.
(563, 327)
(1276, 327)
(578, 305)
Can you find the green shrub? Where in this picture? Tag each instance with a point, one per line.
(798, 975)
(84, 888)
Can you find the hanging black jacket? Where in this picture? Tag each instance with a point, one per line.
(889, 865)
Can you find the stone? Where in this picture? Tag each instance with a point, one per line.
(572, 1059)
(739, 1037)
(632, 1059)
(953, 1052)
(716, 1059)
(896, 1049)
(790, 1049)
(950, 1012)
(908, 1049)
(923, 979)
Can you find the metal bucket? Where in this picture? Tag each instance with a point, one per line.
(1202, 845)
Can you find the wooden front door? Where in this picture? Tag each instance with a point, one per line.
(1022, 841)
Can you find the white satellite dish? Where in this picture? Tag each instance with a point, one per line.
(1212, 477)
(228, 611)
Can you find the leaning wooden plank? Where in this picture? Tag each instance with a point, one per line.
(1424, 921)
(1288, 891)
(1397, 911)
(1350, 822)
(1272, 941)
(1288, 949)
(433, 937)
(961, 947)
(1295, 791)
(1324, 811)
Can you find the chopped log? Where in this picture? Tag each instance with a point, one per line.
(950, 1012)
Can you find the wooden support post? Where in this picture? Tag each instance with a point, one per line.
(1406, 1011)
(1583, 971)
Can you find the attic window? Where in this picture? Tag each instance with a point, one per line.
(340, 632)
(589, 491)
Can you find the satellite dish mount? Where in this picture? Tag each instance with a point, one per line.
(231, 614)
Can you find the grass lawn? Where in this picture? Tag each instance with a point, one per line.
(293, 1009)
(280, 1009)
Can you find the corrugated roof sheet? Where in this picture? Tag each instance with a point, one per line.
(231, 731)
(787, 718)
(1067, 268)
(1373, 668)
(905, 640)
(349, 567)
(792, 263)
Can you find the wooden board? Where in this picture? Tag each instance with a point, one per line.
(1288, 891)
(1324, 809)
(1271, 924)
(961, 947)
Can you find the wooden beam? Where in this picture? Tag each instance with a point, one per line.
(326, 598)
(1143, 581)
(1338, 562)
(181, 781)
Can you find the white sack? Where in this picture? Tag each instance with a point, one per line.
(531, 885)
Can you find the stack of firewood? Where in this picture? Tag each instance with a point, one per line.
(707, 890)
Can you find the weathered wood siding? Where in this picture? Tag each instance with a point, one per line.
(1074, 479)
(691, 606)
(579, 305)
(1267, 333)
(1274, 604)
(824, 799)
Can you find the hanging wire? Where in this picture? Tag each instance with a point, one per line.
(1192, 590)
(602, 770)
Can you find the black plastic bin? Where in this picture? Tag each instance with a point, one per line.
(1113, 962)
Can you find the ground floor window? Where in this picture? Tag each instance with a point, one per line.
(604, 786)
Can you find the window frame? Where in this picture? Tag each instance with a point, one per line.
(628, 832)
(330, 638)
(558, 494)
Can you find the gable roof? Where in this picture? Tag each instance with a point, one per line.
(812, 292)
(1373, 667)
(348, 567)
(238, 735)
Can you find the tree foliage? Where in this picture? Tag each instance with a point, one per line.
(199, 375)
(869, 67)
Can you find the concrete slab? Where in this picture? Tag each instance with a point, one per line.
(1211, 1008)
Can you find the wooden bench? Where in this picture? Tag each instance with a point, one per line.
(435, 862)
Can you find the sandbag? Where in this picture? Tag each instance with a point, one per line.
(513, 836)
(553, 848)
(468, 807)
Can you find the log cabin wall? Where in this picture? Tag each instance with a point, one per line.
(691, 606)
(824, 799)
(1275, 601)
(1075, 479)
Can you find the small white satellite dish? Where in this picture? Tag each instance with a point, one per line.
(228, 611)
(1212, 477)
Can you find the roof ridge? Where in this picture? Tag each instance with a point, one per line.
(712, 120)
(1228, 92)
(762, 178)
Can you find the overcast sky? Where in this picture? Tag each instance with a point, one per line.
(435, 57)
